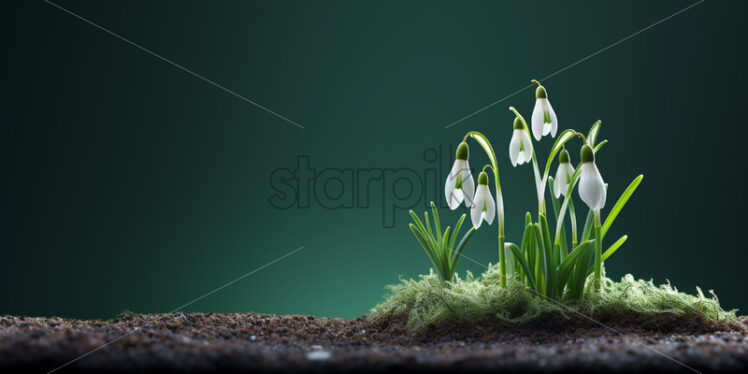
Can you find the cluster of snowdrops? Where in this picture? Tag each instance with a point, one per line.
(547, 261)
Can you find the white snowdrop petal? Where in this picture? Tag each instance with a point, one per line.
(562, 179)
(449, 187)
(526, 157)
(591, 187)
(454, 195)
(559, 182)
(569, 175)
(537, 119)
(468, 186)
(476, 212)
(546, 125)
(554, 121)
(490, 206)
(527, 152)
(514, 146)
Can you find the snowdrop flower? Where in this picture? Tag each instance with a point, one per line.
(563, 174)
(544, 120)
(484, 207)
(520, 147)
(460, 185)
(591, 186)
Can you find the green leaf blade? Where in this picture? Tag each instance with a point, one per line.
(620, 204)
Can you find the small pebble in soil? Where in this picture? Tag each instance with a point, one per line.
(318, 355)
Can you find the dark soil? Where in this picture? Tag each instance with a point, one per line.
(193, 342)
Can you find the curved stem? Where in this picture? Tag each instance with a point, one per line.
(536, 82)
(581, 136)
(486, 145)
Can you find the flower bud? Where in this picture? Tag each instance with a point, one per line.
(482, 179)
(540, 93)
(518, 124)
(462, 151)
(586, 154)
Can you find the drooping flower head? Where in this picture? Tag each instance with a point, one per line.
(484, 207)
(544, 120)
(591, 186)
(460, 185)
(520, 147)
(563, 174)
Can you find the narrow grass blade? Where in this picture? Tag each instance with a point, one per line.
(613, 248)
(551, 257)
(600, 145)
(528, 248)
(564, 270)
(592, 135)
(456, 232)
(526, 268)
(428, 225)
(579, 275)
(426, 247)
(573, 219)
(426, 233)
(437, 224)
(541, 261)
(446, 256)
(621, 203)
(461, 246)
(587, 231)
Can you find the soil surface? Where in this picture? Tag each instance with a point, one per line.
(193, 342)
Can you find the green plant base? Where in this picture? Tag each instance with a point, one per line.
(429, 301)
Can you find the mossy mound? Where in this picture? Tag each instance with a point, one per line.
(431, 302)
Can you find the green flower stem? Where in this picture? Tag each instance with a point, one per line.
(598, 250)
(486, 145)
(573, 218)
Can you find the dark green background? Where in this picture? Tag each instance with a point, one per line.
(129, 184)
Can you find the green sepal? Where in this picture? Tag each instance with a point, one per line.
(586, 154)
(463, 152)
(483, 179)
(518, 124)
(540, 93)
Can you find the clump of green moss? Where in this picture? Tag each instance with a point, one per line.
(431, 301)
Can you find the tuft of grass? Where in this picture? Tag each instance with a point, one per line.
(431, 301)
